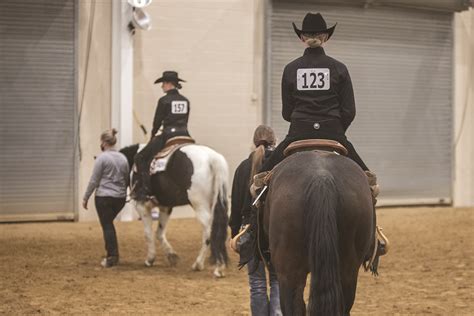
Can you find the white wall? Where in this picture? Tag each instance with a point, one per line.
(464, 113)
(211, 43)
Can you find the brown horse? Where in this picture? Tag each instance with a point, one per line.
(319, 219)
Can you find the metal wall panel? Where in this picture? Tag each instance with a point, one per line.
(427, 5)
(37, 109)
(400, 62)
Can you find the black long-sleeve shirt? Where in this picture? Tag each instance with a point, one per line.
(240, 195)
(241, 199)
(316, 86)
(172, 111)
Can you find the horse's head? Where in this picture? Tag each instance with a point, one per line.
(130, 152)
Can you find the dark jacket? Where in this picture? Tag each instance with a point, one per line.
(316, 87)
(241, 199)
(172, 112)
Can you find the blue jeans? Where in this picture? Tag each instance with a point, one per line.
(259, 303)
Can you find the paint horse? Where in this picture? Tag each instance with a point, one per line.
(195, 175)
(319, 218)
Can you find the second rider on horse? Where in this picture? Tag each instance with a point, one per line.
(317, 95)
(172, 114)
(317, 100)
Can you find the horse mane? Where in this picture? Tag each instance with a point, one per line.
(130, 153)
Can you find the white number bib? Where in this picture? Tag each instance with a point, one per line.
(313, 79)
(179, 107)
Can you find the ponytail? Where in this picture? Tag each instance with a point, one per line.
(257, 160)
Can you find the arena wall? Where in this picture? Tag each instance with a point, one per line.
(213, 46)
(218, 48)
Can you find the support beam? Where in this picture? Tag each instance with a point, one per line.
(122, 72)
(122, 82)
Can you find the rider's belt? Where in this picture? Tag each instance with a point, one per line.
(332, 126)
(175, 129)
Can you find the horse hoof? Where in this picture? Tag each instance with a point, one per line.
(149, 263)
(198, 266)
(173, 259)
(219, 274)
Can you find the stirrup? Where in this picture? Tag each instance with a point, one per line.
(381, 248)
(383, 242)
(235, 242)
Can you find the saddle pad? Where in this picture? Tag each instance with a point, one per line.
(158, 165)
(160, 162)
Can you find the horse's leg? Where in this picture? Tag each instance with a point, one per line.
(165, 213)
(204, 217)
(288, 255)
(349, 273)
(291, 296)
(144, 209)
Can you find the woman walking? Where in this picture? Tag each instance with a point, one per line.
(260, 302)
(109, 179)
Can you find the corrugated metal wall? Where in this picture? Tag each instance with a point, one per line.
(400, 62)
(432, 5)
(37, 109)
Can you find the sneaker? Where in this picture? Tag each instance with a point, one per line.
(109, 262)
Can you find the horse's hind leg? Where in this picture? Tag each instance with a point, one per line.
(291, 297)
(165, 213)
(144, 209)
(350, 272)
(204, 217)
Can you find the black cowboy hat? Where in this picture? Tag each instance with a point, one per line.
(170, 76)
(314, 24)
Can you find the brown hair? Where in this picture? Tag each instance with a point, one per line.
(108, 137)
(262, 137)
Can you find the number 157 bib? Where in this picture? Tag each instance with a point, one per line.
(313, 79)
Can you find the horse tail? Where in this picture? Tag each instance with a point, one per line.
(220, 216)
(321, 233)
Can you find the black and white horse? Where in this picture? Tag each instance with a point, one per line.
(195, 175)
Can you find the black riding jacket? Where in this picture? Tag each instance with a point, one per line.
(316, 87)
(172, 112)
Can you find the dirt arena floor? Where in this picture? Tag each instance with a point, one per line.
(53, 268)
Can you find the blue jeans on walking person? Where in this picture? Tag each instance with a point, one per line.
(260, 304)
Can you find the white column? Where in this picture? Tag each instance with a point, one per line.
(122, 72)
(463, 195)
(122, 82)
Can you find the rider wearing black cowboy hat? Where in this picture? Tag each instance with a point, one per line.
(172, 113)
(317, 95)
(317, 100)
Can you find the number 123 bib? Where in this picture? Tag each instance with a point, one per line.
(313, 79)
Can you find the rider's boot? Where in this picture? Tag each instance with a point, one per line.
(142, 188)
(374, 187)
(381, 240)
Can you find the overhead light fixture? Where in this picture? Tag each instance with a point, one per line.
(141, 19)
(139, 3)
